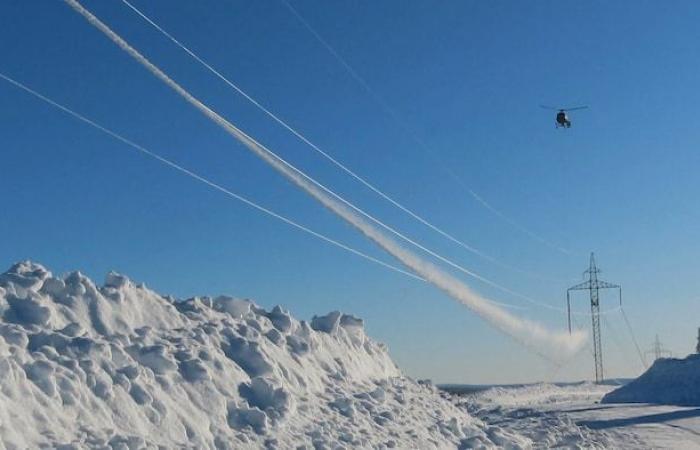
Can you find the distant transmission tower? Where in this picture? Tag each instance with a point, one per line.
(593, 285)
(658, 350)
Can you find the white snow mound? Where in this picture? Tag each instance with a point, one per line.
(669, 381)
(120, 366)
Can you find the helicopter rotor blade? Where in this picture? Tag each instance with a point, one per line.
(575, 108)
(549, 107)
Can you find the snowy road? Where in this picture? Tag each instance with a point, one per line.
(642, 425)
(571, 417)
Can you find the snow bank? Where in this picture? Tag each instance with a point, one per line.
(668, 381)
(120, 366)
(538, 394)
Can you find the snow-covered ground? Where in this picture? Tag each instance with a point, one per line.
(119, 366)
(573, 417)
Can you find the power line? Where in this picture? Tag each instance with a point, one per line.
(515, 224)
(634, 339)
(408, 129)
(323, 153)
(580, 328)
(229, 193)
(202, 179)
(274, 158)
(222, 189)
(618, 342)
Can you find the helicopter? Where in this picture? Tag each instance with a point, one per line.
(562, 120)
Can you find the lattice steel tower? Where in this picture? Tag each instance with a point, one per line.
(593, 285)
(658, 350)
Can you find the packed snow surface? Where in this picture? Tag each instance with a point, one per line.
(538, 413)
(120, 366)
(669, 381)
(571, 417)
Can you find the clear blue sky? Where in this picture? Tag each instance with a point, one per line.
(466, 76)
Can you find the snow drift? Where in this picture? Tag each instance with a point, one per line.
(120, 366)
(669, 381)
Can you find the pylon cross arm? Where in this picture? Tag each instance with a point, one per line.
(581, 286)
(606, 285)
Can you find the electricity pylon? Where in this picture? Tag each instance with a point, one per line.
(593, 285)
(658, 350)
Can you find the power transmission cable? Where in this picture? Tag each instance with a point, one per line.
(324, 153)
(204, 180)
(634, 339)
(366, 214)
(389, 110)
(618, 342)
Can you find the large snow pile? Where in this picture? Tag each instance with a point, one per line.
(668, 381)
(120, 366)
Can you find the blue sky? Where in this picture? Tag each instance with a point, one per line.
(466, 77)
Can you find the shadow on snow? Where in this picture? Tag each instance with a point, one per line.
(646, 419)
